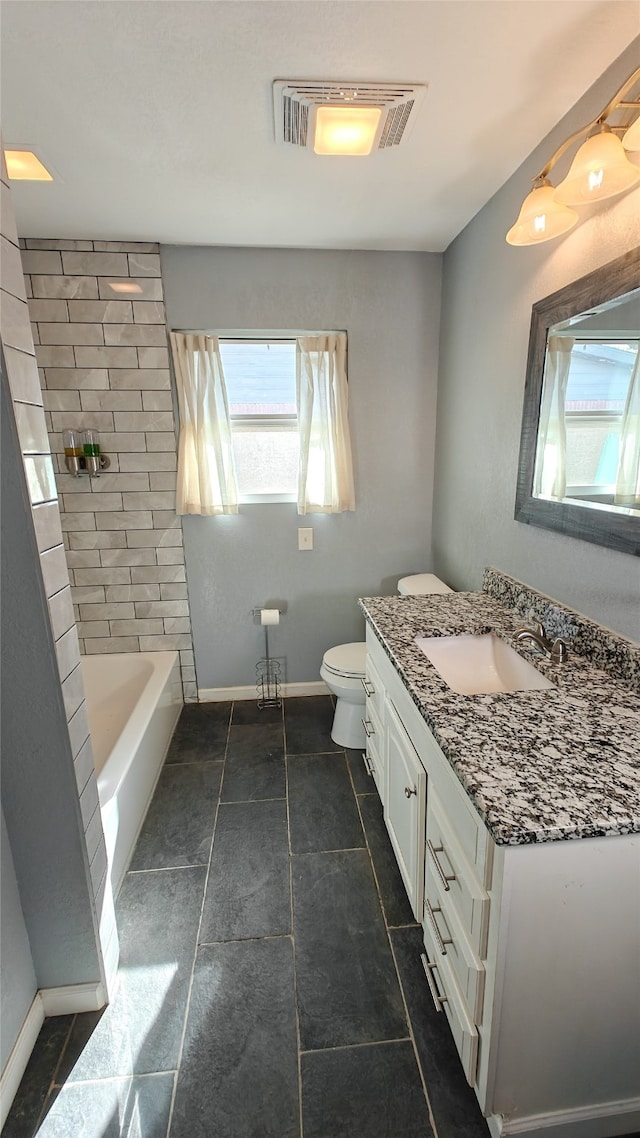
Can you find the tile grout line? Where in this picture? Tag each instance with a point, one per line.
(354, 1046)
(195, 952)
(400, 986)
(415, 1049)
(293, 941)
(120, 1078)
(53, 1084)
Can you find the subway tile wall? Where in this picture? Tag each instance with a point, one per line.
(100, 336)
(27, 402)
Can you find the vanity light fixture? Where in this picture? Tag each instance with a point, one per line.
(25, 166)
(600, 170)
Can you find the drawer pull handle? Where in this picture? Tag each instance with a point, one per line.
(408, 791)
(438, 1000)
(431, 913)
(369, 689)
(369, 729)
(368, 764)
(444, 877)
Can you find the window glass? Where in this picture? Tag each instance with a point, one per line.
(260, 377)
(597, 390)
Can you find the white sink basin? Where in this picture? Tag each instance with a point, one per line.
(477, 665)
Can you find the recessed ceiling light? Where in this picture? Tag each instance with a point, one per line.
(124, 286)
(346, 130)
(22, 165)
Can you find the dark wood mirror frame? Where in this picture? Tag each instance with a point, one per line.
(588, 522)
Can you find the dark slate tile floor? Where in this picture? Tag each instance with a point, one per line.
(270, 983)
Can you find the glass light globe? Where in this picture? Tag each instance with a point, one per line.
(631, 138)
(599, 170)
(541, 218)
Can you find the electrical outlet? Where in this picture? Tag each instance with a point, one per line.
(305, 539)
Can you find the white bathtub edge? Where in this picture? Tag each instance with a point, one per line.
(128, 779)
(117, 884)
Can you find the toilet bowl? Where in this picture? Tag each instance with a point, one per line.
(343, 670)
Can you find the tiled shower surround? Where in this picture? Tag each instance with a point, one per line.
(27, 400)
(98, 322)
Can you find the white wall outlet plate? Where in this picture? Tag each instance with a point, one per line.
(305, 539)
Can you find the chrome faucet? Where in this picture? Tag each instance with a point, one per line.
(556, 650)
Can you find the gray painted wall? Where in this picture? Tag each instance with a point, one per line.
(39, 795)
(17, 978)
(389, 303)
(488, 290)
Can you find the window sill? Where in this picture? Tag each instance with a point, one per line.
(266, 499)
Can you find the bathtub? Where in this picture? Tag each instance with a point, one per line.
(133, 703)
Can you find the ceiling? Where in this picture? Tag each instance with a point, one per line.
(156, 116)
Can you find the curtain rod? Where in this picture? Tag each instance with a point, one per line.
(261, 334)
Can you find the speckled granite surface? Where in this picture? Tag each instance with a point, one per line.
(538, 766)
(607, 650)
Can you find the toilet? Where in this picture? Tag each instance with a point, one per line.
(343, 670)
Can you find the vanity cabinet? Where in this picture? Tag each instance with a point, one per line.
(532, 951)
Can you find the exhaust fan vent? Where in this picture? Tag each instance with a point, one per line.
(295, 102)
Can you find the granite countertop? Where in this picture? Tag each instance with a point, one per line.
(538, 766)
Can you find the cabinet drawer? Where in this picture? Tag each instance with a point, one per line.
(448, 934)
(447, 997)
(374, 689)
(471, 833)
(445, 862)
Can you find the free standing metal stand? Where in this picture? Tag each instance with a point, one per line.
(268, 678)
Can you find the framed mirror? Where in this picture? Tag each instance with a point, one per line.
(579, 468)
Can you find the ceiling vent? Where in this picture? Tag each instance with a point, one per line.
(295, 102)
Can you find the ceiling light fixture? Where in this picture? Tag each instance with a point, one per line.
(600, 169)
(24, 166)
(344, 118)
(346, 130)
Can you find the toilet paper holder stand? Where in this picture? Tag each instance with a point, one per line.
(267, 671)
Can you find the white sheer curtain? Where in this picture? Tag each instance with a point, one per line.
(550, 479)
(627, 492)
(206, 481)
(325, 476)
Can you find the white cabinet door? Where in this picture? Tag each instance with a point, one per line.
(404, 807)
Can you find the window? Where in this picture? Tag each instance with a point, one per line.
(597, 389)
(260, 377)
(280, 417)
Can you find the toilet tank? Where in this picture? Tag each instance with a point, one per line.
(421, 584)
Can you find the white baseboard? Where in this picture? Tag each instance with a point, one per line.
(600, 1120)
(46, 1002)
(73, 998)
(218, 695)
(16, 1064)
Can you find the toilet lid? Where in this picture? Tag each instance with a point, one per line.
(346, 659)
(421, 584)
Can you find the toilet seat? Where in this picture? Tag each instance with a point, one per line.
(346, 660)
